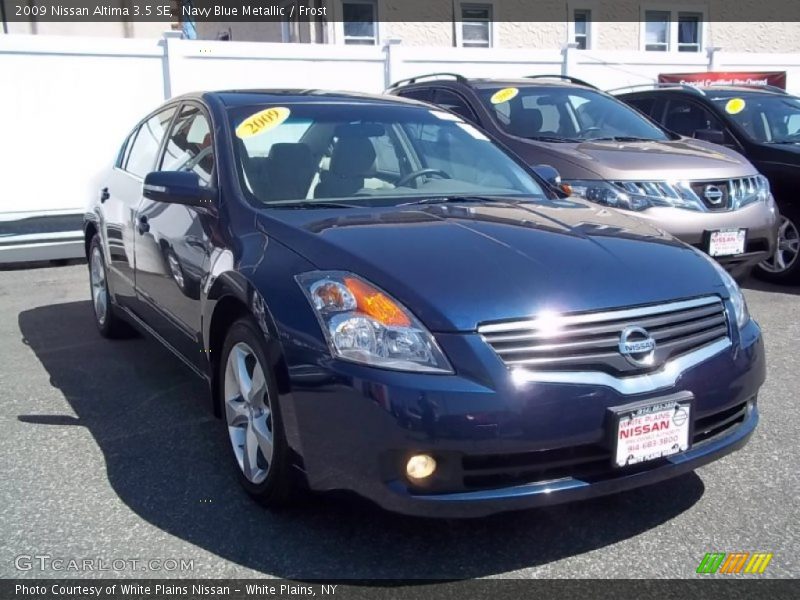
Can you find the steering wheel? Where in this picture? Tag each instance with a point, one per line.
(420, 173)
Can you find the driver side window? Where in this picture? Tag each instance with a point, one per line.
(189, 146)
(684, 117)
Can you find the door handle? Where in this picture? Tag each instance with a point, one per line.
(143, 225)
(104, 195)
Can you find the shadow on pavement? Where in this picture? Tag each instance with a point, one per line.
(167, 460)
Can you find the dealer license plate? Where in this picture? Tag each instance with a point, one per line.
(727, 242)
(651, 431)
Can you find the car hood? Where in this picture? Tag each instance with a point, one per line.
(458, 265)
(683, 159)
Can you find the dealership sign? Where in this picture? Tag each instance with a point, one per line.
(750, 78)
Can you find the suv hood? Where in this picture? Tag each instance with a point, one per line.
(457, 265)
(683, 159)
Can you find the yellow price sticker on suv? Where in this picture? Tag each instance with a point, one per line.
(262, 121)
(504, 95)
(734, 106)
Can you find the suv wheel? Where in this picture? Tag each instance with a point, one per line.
(784, 265)
(109, 324)
(252, 417)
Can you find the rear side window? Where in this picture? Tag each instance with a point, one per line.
(144, 147)
(643, 105)
(189, 146)
(421, 95)
(454, 102)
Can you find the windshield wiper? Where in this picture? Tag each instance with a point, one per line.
(550, 138)
(309, 204)
(622, 138)
(447, 199)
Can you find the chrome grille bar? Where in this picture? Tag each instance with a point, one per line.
(589, 342)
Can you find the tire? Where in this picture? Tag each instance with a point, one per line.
(106, 316)
(784, 266)
(252, 419)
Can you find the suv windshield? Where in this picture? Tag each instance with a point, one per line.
(317, 152)
(763, 117)
(566, 114)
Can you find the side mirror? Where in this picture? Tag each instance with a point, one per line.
(178, 187)
(715, 136)
(549, 174)
(552, 177)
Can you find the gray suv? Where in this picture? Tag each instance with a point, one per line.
(706, 195)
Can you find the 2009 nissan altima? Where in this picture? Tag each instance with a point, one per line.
(382, 300)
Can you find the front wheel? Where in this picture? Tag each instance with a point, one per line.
(252, 417)
(784, 265)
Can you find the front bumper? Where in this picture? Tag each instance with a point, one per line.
(500, 446)
(759, 218)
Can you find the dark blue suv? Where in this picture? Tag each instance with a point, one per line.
(383, 300)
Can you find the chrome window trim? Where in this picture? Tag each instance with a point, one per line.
(596, 317)
(665, 377)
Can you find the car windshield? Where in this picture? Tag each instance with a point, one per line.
(316, 153)
(566, 114)
(768, 118)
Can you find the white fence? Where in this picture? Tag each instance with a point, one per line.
(67, 102)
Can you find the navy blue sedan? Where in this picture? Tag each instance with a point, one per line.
(385, 301)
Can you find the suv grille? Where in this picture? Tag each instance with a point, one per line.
(717, 196)
(590, 341)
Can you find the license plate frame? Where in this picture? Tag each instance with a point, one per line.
(679, 406)
(718, 245)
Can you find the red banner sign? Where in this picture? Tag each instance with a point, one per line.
(750, 78)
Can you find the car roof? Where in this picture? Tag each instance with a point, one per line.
(705, 91)
(245, 97)
(487, 82)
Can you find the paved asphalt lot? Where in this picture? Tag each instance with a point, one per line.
(107, 449)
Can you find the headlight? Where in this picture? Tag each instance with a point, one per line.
(364, 324)
(636, 195)
(734, 291)
(748, 190)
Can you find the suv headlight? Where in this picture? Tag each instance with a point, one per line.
(364, 324)
(638, 195)
(740, 309)
(750, 189)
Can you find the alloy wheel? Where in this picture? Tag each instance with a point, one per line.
(97, 276)
(787, 248)
(248, 413)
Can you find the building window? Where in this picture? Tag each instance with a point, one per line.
(689, 32)
(476, 25)
(583, 22)
(656, 30)
(360, 22)
(669, 30)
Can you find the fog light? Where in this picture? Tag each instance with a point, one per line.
(420, 466)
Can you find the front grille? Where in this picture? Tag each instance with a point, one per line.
(590, 462)
(590, 341)
(716, 195)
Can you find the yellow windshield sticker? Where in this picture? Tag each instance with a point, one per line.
(503, 95)
(734, 106)
(262, 121)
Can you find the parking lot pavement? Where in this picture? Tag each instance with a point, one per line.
(108, 451)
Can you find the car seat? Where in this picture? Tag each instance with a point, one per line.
(352, 161)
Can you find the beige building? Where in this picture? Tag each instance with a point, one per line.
(646, 25)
